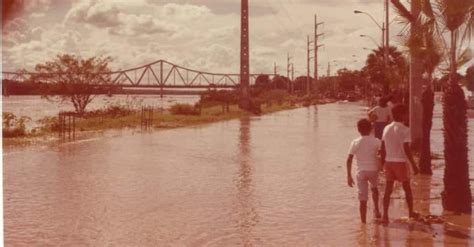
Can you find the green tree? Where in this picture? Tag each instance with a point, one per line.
(458, 18)
(349, 80)
(394, 76)
(448, 22)
(75, 79)
(280, 82)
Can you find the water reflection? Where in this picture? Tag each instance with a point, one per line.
(275, 180)
(247, 215)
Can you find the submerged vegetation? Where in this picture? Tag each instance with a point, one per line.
(13, 126)
(212, 107)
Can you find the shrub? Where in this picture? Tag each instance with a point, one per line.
(49, 123)
(184, 109)
(274, 96)
(110, 111)
(14, 126)
(213, 97)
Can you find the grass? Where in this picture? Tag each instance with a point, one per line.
(132, 120)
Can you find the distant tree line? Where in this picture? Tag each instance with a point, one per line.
(39, 88)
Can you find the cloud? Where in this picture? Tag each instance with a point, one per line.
(135, 25)
(224, 7)
(184, 12)
(199, 34)
(19, 31)
(97, 13)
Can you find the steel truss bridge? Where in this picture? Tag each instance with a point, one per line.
(159, 74)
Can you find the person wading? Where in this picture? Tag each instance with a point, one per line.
(381, 115)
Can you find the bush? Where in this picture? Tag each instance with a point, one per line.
(14, 126)
(213, 97)
(274, 96)
(49, 124)
(184, 109)
(110, 111)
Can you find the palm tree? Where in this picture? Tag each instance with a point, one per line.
(421, 36)
(396, 74)
(457, 18)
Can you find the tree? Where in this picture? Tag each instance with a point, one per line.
(348, 80)
(469, 79)
(427, 102)
(301, 83)
(458, 19)
(280, 82)
(421, 36)
(262, 81)
(75, 79)
(393, 76)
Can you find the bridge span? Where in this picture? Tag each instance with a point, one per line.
(159, 74)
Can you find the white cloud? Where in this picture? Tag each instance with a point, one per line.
(200, 34)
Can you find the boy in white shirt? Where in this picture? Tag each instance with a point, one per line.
(365, 149)
(395, 154)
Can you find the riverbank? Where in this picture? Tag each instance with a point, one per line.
(97, 124)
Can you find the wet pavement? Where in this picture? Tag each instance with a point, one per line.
(274, 180)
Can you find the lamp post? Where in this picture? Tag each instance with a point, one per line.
(385, 37)
(382, 27)
(370, 37)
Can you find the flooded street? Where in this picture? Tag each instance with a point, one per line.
(274, 180)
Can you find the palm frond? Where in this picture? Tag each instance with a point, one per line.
(427, 9)
(464, 57)
(402, 11)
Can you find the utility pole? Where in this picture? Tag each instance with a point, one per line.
(387, 25)
(274, 69)
(288, 64)
(385, 30)
(244, 56)
(329, 69)
(316, 47)
(308, 68)
(292, 73)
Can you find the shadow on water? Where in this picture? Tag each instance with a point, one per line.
(247, 215)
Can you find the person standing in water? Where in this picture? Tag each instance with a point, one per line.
(365, 149)
(396, 156)
(381, 115)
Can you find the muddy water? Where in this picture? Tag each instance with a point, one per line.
(273, 180)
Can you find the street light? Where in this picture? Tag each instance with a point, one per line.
(371, 17)
(384, 29)
(370, 37)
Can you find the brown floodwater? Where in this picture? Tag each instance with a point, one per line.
(274, 180)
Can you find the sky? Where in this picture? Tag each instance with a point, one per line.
(198, 34)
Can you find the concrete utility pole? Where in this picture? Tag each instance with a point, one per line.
(244, 56)
(293, 72)
(316, 47)
(416, 81)
(387, 25)
(308, 68)
(288, 68)
(329, 69)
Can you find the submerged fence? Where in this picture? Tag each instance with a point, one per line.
(147, 117)
(67, 125)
